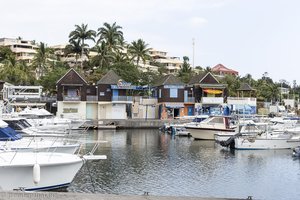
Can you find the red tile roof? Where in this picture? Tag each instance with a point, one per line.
(222, 68)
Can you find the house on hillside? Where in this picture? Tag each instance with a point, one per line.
(221, 70)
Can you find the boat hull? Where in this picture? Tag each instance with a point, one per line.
(53, 175)
(206, 133)
(244, 143)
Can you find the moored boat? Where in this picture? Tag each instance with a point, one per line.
(207, 129)
(38, 170)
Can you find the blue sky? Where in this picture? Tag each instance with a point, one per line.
(250, 36)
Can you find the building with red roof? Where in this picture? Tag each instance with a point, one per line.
(222, 70)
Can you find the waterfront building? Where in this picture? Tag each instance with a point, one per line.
(169, 91)
(23, 49)
(221, 70)
(72, 92)
(111, 98)
(208, 92)
(245, 102)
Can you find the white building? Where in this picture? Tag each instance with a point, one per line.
(23, 49)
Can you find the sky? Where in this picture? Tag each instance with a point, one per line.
(249, 36)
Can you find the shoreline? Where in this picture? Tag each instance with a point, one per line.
(14, 195)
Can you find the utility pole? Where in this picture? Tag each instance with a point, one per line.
(193, 52)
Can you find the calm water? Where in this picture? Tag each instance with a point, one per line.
(146, 160)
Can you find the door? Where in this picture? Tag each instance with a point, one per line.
(185, 95)
(190, 110)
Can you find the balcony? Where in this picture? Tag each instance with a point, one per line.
(212, 100)
(241, 101)
(189, 99)
(91, 98)
(122, 98)
(71, 98)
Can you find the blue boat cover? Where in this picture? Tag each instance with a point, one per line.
(8, 133)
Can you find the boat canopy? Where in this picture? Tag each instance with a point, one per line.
(8, 133)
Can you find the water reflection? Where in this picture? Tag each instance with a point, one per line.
(146, 160)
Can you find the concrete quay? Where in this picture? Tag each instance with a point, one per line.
(134, 123)
(88, 196)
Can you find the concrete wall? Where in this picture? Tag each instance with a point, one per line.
(80, 108)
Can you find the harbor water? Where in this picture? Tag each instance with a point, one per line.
(143, 161)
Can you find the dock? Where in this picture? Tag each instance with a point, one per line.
(88, 196)
(134, 123)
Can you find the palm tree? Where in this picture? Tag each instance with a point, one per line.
(82, 33)
(14, 71)
(103, 57)
(74, 48)
(138, 50)
(5, 53)
(207, 69)
(120, 57)
(41, 59)
(111, 35)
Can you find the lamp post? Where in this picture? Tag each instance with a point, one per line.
(281, 82)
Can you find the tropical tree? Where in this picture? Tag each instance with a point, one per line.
(139, 50)
(49, 80)
(207, 69)
(185, 71)
(82, 33)
(127, 71)
(73, 48)
(111, 35)
(233, 83)
(15, 72)
(103, 58)
(41, 59)
(120, 57)
(5, 53)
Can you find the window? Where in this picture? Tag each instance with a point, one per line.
(173, 92)
(159, 93)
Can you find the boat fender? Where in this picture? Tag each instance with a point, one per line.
(36, 173)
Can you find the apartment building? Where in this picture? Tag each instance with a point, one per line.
(172, 64)
(23, 49)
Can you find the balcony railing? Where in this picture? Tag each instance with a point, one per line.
(91, 98)
(189, 100)
(122, 98)
(212, 100)
(72, 98)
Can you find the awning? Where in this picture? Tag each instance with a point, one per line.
(174, 105)
(213, 91)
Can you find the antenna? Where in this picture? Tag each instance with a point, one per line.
(193, 52)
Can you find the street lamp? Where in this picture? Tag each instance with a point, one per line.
(281, 82)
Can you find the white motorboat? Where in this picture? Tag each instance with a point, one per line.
(38, 171)
(44, 120)
(11, 140)
(261, 137)
(207, 129)
(22, 126)
(267, 141)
